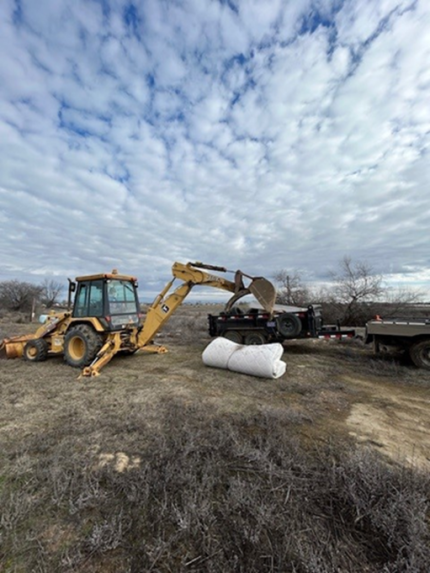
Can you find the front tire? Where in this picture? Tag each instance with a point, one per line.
(420, 354)
(36, 350)
(81, 345)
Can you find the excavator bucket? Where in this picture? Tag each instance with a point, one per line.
(264, 292)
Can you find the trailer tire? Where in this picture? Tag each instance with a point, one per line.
(289, 325)
(420, 354)
(236, 310)
(36, 350)
(81, 345)
(234, 336)
(255, 338)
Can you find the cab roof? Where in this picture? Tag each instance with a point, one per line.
(112, 275)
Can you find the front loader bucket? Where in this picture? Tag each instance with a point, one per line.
(14, 347)
(264, 292)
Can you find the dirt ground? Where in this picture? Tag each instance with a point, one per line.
(330, 388)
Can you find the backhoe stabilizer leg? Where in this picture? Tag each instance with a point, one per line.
(153, 349)
(104, 355)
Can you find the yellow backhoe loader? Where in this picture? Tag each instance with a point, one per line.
(106, 316)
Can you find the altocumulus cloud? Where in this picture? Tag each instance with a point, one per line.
(255, 135)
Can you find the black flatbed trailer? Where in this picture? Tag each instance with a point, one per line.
(255, 326)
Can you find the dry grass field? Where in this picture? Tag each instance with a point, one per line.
(162, 464)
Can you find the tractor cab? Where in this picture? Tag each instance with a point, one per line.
(112, 298)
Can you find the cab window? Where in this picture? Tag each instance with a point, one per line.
(121, 297)
(96, 299)
(89, 299)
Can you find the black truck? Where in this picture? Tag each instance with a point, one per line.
(256, 326)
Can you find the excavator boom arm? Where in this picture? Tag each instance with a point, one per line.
(192, 274)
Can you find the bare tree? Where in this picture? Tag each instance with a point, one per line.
(355, 295)
(398, 301)
(357, 282)
(291, 288)
(51, 290)
(356, 288)
(18, 295)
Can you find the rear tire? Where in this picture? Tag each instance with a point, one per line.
(289, 325)
(234, 336)
(81, 345)
(255, 338)
(36, 350)
(420, 354)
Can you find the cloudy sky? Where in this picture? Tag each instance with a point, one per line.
(254, 134)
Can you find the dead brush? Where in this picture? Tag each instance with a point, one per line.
(215, 493)
(391, 364)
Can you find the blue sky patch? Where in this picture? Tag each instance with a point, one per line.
(268, 135)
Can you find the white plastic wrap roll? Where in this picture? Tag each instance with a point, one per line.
(256, 360)
(218, 352)
(259, 360)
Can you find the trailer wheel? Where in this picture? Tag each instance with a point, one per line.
(289, 325)
(234, 336)
(236, 310)
(420, 354)
(36, 350)
(81, 345)
(255, 338)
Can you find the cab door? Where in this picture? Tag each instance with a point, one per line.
(89, 299)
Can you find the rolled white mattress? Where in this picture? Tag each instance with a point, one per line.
(263, 360)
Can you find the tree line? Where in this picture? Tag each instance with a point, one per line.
(21, 296)
(353, 295)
